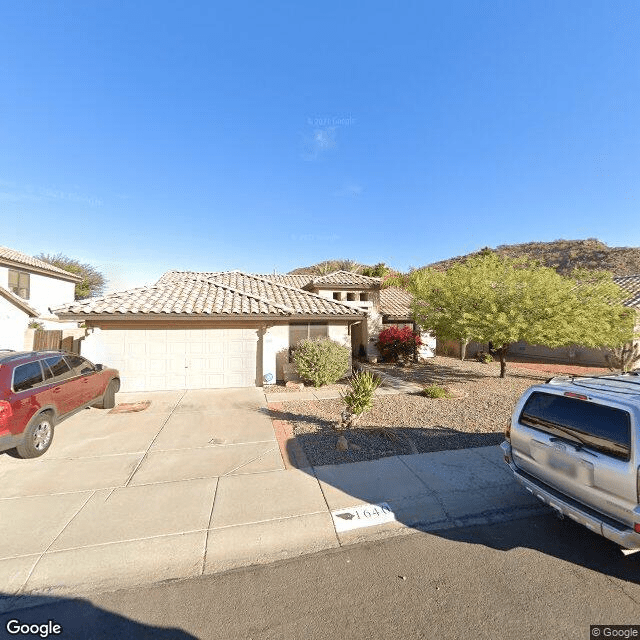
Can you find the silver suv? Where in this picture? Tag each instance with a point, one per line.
(574, 443)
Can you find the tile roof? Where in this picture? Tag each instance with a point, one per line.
(28, 261)
(217, 294)
(395, 303)
(18, 302)
(632, 285)
(297, 280)
(346, 278)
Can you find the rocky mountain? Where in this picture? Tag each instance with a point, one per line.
(562, 255)
(566, 255)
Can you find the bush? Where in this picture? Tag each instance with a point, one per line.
(321, 361)
(484, 356)
(360, 398)
(434, 391)
(395, 343)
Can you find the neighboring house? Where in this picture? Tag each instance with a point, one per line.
(29, 288)
(227, 329)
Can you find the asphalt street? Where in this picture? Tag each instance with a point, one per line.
(530, 578)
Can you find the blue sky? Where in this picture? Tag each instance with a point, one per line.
(142, 137)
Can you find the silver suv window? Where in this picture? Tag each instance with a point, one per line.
(600, 427)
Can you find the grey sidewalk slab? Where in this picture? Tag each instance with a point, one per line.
(145, 511)
(45, 476)
(457, 470)
(30, 525)
(237, 546)
(325, 395)
(466, 504)
(186, 430)
(346, 485)
(14, 573)
(206, 462)
(243, 499)
(115, 566)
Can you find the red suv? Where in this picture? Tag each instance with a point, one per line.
(38, 389)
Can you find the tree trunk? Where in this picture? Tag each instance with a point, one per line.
(502, 352)
(463, 349)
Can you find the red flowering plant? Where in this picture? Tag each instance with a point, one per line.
(396, 343)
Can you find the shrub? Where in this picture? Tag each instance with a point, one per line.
(34, 324)
(484, 356)
(395, 343)
(434, 391)
(321, 361)
(360, 398)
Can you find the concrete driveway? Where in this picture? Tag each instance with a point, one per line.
(119, 492)
(196, 484)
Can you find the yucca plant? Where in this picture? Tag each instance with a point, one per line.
(360, 398)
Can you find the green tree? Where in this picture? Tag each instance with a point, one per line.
(379, 270)
(500, 300)
(93, 282)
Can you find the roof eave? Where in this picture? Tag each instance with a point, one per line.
(5, 262)
(157, 317)
(17, 302)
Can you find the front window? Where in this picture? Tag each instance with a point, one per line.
(298, 332)
(19, 283)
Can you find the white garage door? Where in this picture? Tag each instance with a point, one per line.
(167, 359)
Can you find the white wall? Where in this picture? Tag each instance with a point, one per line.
(49, 292)
(275, 346)
(13, 323)
(275, 352)
(44, 292)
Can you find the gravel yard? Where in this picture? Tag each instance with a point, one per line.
(409, 423)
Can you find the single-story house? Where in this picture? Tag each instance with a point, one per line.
(228, 329)
(29, 288)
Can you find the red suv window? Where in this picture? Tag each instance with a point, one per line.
(56, 367)
(26, 376)
(79, 365)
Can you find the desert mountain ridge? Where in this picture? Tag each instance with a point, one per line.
(562, 255)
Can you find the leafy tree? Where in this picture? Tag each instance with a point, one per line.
(501, 300)
(379, 270)
(93, 282)
(348, 265)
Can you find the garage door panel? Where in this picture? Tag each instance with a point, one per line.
(169, 359)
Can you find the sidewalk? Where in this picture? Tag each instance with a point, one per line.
(390, 386)
(221, 514)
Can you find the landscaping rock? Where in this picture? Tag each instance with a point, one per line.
(294, 386)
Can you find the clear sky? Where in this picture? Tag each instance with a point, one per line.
(145, 136)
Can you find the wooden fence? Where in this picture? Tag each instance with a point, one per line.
(44, 340)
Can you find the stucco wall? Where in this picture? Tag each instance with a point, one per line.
(44, 292)
(276, 346)
(275, 351)
(13, 323)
